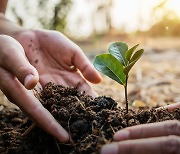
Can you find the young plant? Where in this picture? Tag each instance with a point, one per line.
(118, 63)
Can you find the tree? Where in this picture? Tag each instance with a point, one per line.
(50, 15)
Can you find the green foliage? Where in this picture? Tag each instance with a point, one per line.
(118, 50)
(111, 67)
(49, 15)
(133, 60)
(118, 63)
(129, 53)
(59, 20)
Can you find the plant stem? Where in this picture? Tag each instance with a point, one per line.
(126, 97)
(126, 100)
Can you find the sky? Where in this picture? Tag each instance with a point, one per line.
(128, 15)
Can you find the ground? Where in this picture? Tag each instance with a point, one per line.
(154, 80)
(90, 122)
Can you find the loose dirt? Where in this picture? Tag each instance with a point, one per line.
(91, 122)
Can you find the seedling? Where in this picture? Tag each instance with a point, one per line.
(117, 63)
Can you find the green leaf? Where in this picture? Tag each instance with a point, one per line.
(128, 68)
(137, 55)
(110, 66)
(129, 53)
(133, 60)
(118, 50)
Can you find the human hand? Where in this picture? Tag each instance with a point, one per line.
(13, 68)
(158, 138)
(16, 70)
(58, 59)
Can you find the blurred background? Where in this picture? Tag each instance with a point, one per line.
(94, 24)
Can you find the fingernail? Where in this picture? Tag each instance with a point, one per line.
(27, 79)
(109, 149)
(121, 135)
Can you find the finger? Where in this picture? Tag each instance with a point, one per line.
(84, 65)
(27, 102)
(13, 58)
(149, 130)
(170, 107)
(159, 145)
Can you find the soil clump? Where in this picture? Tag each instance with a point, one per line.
(91, 122)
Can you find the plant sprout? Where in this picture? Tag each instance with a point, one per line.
(117, 63)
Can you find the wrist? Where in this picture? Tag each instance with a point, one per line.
(9, 28)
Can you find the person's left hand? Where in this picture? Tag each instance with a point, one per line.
(58, 59)
(157, 138)
(42, 56)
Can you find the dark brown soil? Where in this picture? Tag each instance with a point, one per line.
(90, 122)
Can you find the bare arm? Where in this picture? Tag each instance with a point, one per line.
(7, 27)
(3, 4)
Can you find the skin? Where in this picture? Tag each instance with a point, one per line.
(32, 58)
(158, 138)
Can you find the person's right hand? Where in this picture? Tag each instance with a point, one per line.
(153, 138)
(13, 63)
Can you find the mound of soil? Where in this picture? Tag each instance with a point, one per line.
(91, 122)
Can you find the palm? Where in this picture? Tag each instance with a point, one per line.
(56, 58)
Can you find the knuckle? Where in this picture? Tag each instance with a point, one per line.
(21, 71)
(77, 48)
(38, 109)
(35, 112)
(171, 145)
(7, 51)
(77, 51)
(172, 127)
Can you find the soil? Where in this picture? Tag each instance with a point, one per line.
(91, 122)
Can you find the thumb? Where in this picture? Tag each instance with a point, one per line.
(12, 58)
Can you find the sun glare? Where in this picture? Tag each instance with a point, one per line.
(138, 12)
(174, 5)
(126, 15)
